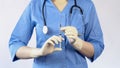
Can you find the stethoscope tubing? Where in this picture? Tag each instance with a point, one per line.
(45, 28)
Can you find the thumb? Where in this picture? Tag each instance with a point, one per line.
(63, 28)
(58, 49)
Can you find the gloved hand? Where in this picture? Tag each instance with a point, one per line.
(72, 35)
(48, 46)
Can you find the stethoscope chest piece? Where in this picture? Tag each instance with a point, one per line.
(45, 29)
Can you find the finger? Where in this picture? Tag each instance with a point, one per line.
(59, 39)
(64, 28)
(71, 37)
(55, 39)
(67, 27)
(58, 49)
(51, 43)
(70, 30)
(69, 34)
(73, 33)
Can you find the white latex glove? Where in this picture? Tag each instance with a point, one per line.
(72, 34)
(48, 46)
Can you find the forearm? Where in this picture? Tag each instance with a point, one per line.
(28, 52)
(87, 48)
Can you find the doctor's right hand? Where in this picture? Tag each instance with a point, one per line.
(49, 45)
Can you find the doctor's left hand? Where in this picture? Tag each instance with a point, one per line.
(72, 35)
(49, 45)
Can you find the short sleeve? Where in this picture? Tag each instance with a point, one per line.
(21, 33)
(93, 32)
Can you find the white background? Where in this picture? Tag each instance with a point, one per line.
(109, 16)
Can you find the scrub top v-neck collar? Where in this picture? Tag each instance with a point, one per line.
(65, 9)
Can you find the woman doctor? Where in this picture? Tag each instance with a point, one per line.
(64, 35)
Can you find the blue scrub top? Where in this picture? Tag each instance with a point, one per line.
(87, 25)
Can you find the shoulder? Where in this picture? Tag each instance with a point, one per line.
(36, 2)
(86, 1)
(85, 5)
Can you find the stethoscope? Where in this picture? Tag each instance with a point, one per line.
(45, 28)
